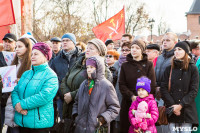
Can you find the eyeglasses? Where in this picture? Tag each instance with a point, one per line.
(66, 40)
(125, 50)
(110, 56)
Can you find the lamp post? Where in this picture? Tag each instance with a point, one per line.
(151, 21)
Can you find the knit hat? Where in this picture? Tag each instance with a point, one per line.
(144, 83)
(185, 45)
(108, 41)
(100, 46)
(91, 62)
(153, 46)
(70, 36)
(29, 36)
(44, 48)
(140, 43)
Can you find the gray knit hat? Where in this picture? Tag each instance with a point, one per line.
(100, 46)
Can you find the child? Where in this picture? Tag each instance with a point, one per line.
(150, 116)
(96, 102)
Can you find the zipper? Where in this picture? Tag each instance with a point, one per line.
(38, 113)
(24, 97)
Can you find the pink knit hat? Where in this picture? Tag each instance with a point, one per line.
(44, 48)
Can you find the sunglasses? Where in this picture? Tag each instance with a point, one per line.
(125, 50)
(110, 56)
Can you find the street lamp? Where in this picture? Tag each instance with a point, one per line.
(151, 21)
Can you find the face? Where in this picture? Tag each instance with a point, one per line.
(110, 46)
(9, 45)
(20, 49)
(151, 54)
(56, 46)
(110, 60)
(91, 50)
(37, 58)
(136, 52)
(67, 44)
(179, 53)
(196, 51)
(168, 42)
(90, 70)
(125, 51)
(142, 93)
(124, 39)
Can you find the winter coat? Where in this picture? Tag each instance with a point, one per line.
(152, 109)
(61, 64)
(130, 72)
(53, 57)
(163, 61)
(1, 87)
(102, 102)
(72, 81)
(9, 113)
(184, 89)
(35, 92)
(197, 99)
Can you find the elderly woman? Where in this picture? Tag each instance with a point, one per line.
(33, 96)
(75, 76)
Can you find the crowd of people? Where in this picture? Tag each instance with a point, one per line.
(104, 87)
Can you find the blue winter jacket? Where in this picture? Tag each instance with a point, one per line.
(35, 92)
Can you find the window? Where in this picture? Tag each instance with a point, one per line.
(199, 19)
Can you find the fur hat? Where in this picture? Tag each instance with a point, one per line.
(100, 46)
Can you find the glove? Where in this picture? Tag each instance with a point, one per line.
(133, 111)
(148, 115)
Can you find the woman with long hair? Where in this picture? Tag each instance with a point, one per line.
(180, 97)
(22, 60)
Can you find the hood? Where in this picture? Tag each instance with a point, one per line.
(100, 70)
(129, 58)
(146, 99)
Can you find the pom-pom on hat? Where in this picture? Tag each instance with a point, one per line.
(144, 83)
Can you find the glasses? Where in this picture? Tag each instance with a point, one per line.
(66, 40)
(125, 50)
(109, 56)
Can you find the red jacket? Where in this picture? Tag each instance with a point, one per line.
(152, 109)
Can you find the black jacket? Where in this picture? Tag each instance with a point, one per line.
(61, 65)
(184, 88)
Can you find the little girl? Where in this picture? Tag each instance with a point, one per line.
(148, 113)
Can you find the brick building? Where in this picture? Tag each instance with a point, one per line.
(193, 20)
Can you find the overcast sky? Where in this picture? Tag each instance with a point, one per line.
(173, 12)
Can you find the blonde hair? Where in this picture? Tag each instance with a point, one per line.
(175, 37)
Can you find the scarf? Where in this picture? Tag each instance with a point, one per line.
(69, 54)
(121, 60)
(91, 85)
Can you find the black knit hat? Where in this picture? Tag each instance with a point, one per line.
(185, 45)
(153, 46)
(108, 41)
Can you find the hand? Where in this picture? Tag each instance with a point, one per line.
(24, 112)
(133, 98)
(68, 97)
(177, 109)
(18, 107)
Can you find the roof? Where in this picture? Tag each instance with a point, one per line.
(195, 8)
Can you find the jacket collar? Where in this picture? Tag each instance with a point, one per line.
(168, 54)
(40, 67)
(150, 97)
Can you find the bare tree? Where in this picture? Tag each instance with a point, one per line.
(162, 26)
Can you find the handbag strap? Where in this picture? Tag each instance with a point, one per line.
(169, 84)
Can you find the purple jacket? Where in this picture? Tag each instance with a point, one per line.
(152, 109)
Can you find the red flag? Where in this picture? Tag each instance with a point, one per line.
(7, 16)
(4, 30)
(113, 28)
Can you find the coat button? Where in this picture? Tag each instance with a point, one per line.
(179, 89)
(84, 128)
(138, 71)
(179, 79)
(179, 100)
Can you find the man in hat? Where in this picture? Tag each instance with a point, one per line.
(195, 49)
(110, 44)
(152, 51)
(9, 44)
(56, 48)
(63, 62)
